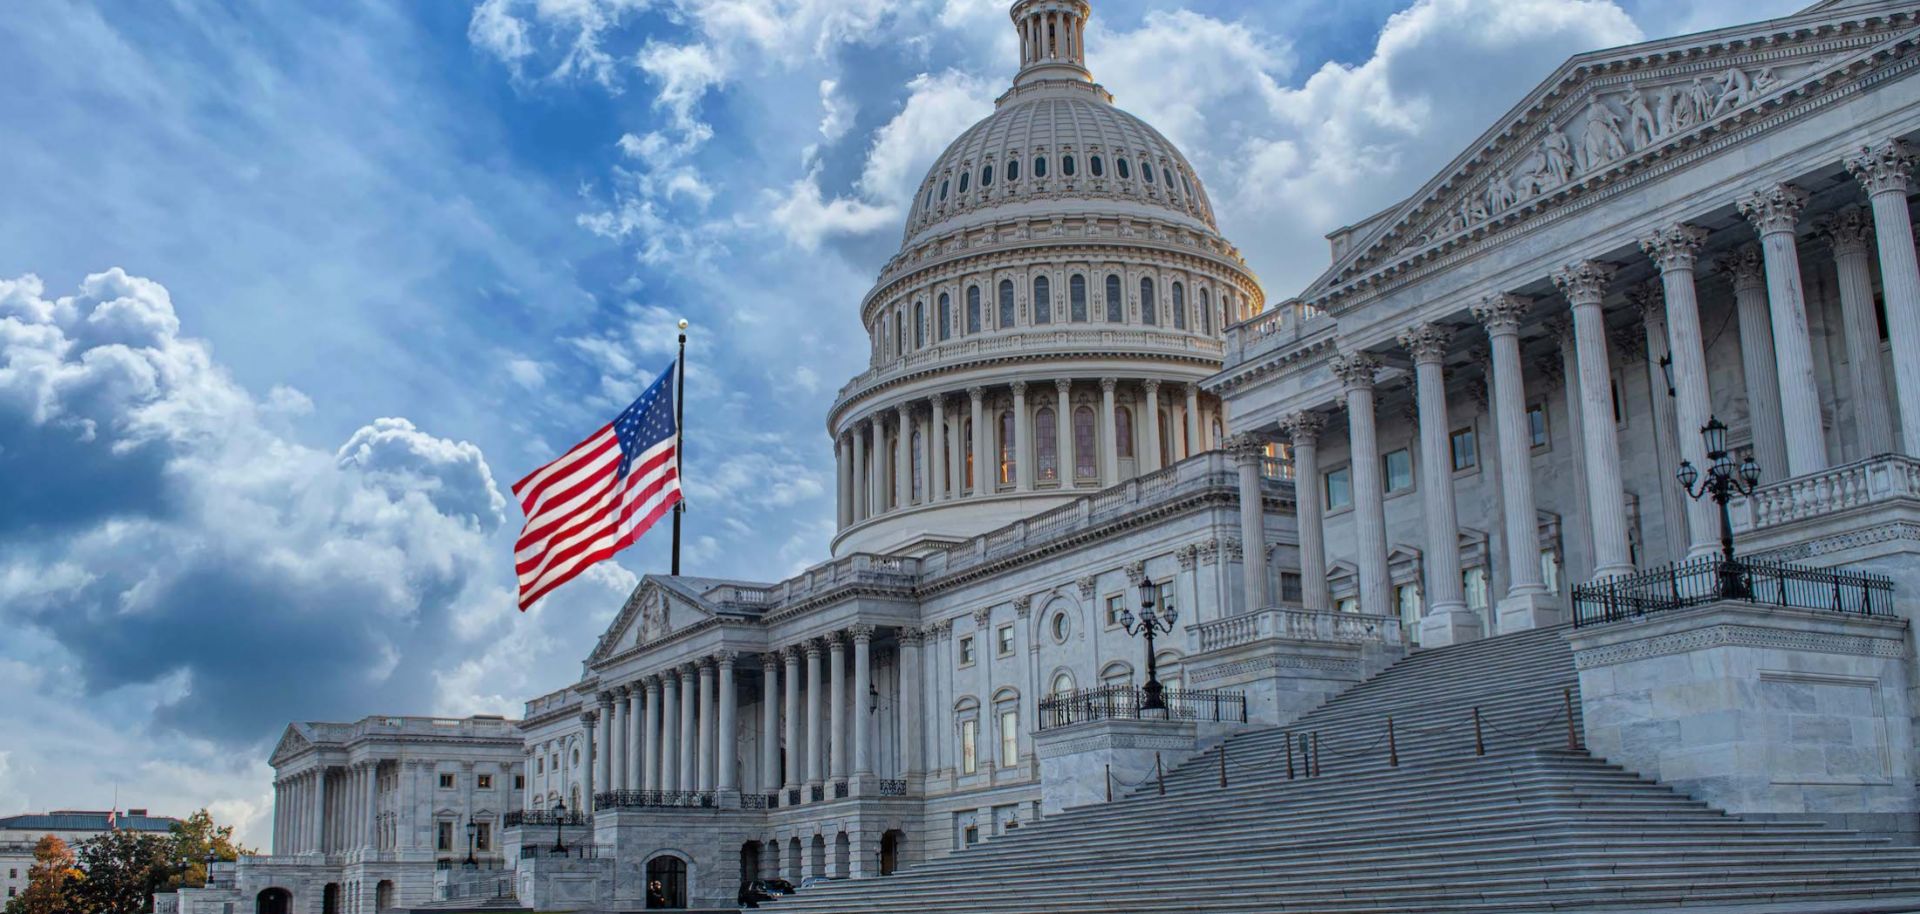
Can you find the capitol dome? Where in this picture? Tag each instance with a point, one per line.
(1060, 291)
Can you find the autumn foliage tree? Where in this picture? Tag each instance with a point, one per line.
(119, 872)
(50, 880)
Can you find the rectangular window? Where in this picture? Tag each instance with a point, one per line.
(1009, 739)
(519, 782)
(1550, 570)
(971, 835)
(969, 740)
(1619, 417)
(1466, 449)
(540, 765)
(1397, 470)
(1339, 488)
(1290, 591)
(1537, 425)
(1347, 604)
(1474, 582)
(443, 836)
(1005, 640)
(1164, 602)
(483, 837)
(966, 651)
(446, 782)
(1407, 599)
(1115, 603)
(484, 782)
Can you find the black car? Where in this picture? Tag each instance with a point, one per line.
(759, 890)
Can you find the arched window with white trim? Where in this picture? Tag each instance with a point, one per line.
(1148, 315)
(1206, 312)
(919, 470)
(1042, 300)
(1179, 306)
(1006, 448)
(919, 325)
(973, 309)
(1123, 432)
(1046, 451)
(1116, 306)
(1006, 303)
(1077, 299)
(946, 317)
(1085, 464)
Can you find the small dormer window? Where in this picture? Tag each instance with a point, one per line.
(966, 178)
(1126, 172)
(986, 176)
(1185, 184)
(1066, 166)
(943, 191)
(1039, 166)
(1096, 167)
(1146, 174)
(1013, 169)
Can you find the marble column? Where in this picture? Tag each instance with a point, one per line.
(1747, 269)
(1562, 368)
(814, 731)
(650, 775)
(938, 464)
(1525, 604)
(842, 469)
(1851, 231)
(1356, 372)
(1650, 300)
(1447, 619)
(982, 475)
(1022, 449)
(637, 736)
(670, 733)
(586, 805)
(911, 719)
(877, 463)
(1585, 284)
(602, 763)
(769, 722)
(857, 714)
(1109, 437)
(1150, 455)
(1065, 451)
(705, 723)
(1885, 170)
(689, 727)
(861, 487)
(790, 658)
(1247, 457)
(837, 706)
(1194, 443)
(615, 744)
(902, 457)
(1304, 429)
(1775, 213)
(1676, 251)
(725, 734)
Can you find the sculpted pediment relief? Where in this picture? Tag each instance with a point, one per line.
(1604, 113)
(291, 743)
(650, 614)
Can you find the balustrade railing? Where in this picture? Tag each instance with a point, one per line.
(1295, 624)
(542, 851)
(543, 817)
(1711, 580)
(893, 787)
(1858, 484)
(1126, 703)
(645, 799)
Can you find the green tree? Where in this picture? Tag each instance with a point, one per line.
(50, 880)
(196, 838)
(124, 869)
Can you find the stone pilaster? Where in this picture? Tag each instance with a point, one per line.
(1585, 284)
(1304, 429)
(1676, 251)
(1447, 619)
(1775, 214)
(1851, 232)
(1356, 373)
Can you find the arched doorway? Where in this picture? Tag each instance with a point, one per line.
(749, 861)
(275, 900)
(330, 899)
(794, 874)
(817, 866)
(383, 896)
(842, 856)
(666, 882)
(890, 851)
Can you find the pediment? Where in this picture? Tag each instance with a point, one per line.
(652, 612)
(292, 743)
(1604, 114)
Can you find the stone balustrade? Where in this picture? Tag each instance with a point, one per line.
(1861, 484)
(1296, 624)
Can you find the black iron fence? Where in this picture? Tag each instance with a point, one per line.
(1710, 580)
(539, 851)
(544, 817)
(642, 799)
(1125, 703)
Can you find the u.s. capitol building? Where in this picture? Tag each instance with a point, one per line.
(1080, 404)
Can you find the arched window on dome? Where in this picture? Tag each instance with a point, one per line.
(1146, 172)
(1006, 448)
(1039, 166)
(1126, 171)
(1179, 306)
(986, 176)
(919, 325)
(1185, 184)
(1066, 166)
(966, 437)
(1166, 436)
(900, 325)
(929, 195)
(943, 190)
(966, 181)
(1096, 166)
(946, 317)
(1013, 168)
(1077, 299)
(919, 469)
(1046, 449)
(1085, 464)
(1042, 300)
(973, 309)
(1006, 304)
(1116, 308)
(1206, 312)
(1148, 314)
(886, 336)
(1123, 432)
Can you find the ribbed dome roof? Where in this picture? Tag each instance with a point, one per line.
(1091, 151)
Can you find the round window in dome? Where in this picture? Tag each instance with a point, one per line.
(1039, 166)
(1125, 172)
(986, 176)
(1094, 165)
(966, 177)
(1146, 172)
(943, 191)
(1013, 169)
(1066, 166)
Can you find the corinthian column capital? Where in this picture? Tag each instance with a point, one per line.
(1427, 342)
(1502, 312)
(1584, 282)
(1355, 370)
(1850, 230)
(1746, 266)
(1676, 247)
(1774, 209)
(1885, 167)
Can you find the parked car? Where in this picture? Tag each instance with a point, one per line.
(758, 890)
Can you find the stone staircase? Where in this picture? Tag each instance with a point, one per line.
(1531, 825)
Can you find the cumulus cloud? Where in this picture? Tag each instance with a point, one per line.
(565, 37)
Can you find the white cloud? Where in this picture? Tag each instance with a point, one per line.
(518, 31)
(839, 111)
(938, 107)
(806, 218)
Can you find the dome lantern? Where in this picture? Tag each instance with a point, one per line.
(1052, 40)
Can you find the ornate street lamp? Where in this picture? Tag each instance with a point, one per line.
(1722, 481)
(471, 828)
(1149, 624)
(559, 822)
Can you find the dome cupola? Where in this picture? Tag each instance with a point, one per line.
(1052, 36)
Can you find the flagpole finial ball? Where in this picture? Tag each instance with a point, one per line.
(683, 323)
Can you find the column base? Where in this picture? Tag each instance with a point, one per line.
(1518, 612)
(1609, 572)
(1451, 625)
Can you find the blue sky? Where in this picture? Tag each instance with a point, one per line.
(291, 292)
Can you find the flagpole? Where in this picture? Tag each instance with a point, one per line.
(679, 430)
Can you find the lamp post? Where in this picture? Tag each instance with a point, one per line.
(1149, 624)
(471, 828)
(559, 822)
(1722, 481)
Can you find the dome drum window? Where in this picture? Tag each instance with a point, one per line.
(986, 176)
(1096, 167)
(1013, 169)
(966, 179)
(1146, 173)
(943, 191)
(1006, 304)
(1066, 166)
(1042, 300)
(1039, 166)
(1126, 171)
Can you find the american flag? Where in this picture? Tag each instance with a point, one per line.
(596, 499)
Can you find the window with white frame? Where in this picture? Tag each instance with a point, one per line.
(1003, 641)
(1337, 485)
(1116, 604)
(1473, 582)
(1550, 570)
(969, 746)
(1396, 468)
(1010, 737)
(1466, 449)
(1537, 425)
